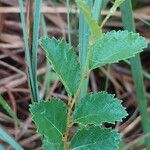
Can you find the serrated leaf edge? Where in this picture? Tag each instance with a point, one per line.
(95, 123)
(36, 104)
(131, 55)
(110, 129)
(70, 49)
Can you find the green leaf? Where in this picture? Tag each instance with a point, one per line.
(115, 46)
(64, 61)
(50, 118)
(4, 104)
(93, 25)
(98, 108)
(50, 146)
(95, 138)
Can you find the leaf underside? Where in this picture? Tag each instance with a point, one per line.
(115, 46)
(64, 61)
(50, 118)
(98, 108)
(95, 138)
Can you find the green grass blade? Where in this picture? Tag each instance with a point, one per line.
(36, 24)
(2, 147)
(84, 34)
(136, 67)
(145, 74)
(48, 69)
(8, 109)
(7, 138)
(93, 25)
(98, 6)
(43, 24)
(27, 49)
(68, 22)
(97, 9)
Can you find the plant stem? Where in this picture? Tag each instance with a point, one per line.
(111, 12)
(136, 67)
(84, 54)
(69, 123)
(73, 100)
(82, 89)
(71, 103)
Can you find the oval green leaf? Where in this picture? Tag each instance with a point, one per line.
(98, 108)
(95, 138)
(64, 61)
(50, 118)
(115, 46)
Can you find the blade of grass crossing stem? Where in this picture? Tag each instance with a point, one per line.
(98, 6)
(48, 72)
(7, 138)
(8, 109)
(97, 9)
(84, 35)
(136, 67)
(36, 24)
(27, 50)
(68, 22)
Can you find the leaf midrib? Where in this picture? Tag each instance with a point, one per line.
(82, 146)
(53, 125)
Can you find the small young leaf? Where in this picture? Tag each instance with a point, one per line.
(115, 46)
(95, 138)
(50, 118)
(64, 61)
(93, 25)
(98, 108)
